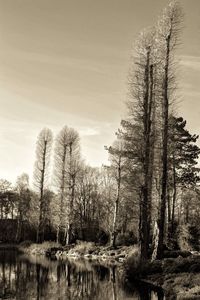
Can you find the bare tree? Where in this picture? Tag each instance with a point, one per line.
(60, 173)
(73, 166)
(66, 166)
(23, 203)
(88, 205)
(168, 37)
(41, 174)
(117, 165)
(141, 107)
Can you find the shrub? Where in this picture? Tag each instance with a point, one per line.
(195, 237)
(25, 244)
(195, 268)
(135, 268)
(83, 248)
(182, 265)
(183, 237)
(34, 248)
(176, 253)
(126, 239)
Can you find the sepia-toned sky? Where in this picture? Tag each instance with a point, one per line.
(65, 62)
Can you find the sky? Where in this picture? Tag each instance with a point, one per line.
(65, 62)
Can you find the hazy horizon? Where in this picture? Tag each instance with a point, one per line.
(66, 63)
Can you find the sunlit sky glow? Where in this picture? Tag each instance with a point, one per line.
(66, 62)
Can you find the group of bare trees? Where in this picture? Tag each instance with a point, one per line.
(65, 168)
(74, 198)
(158, 153)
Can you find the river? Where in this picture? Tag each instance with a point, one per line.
(29, 277)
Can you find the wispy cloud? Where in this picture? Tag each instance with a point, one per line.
(192, 62)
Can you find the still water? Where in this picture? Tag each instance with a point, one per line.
(27, 278)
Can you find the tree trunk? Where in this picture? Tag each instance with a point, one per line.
(151, 134)
(40, 236)
(72, 175)
(62, 188)
(173, 199)
(57, 234)
(145, 219)
(114, 232)
(19, 228)
(161, 221)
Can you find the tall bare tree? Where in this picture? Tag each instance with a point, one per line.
(60, 174)
(168, 37)
(66, 166)
(117, 158)
(41, 174)
(23, 203)
(142, 115)
(73, 166)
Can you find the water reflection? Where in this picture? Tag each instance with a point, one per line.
(25, 278)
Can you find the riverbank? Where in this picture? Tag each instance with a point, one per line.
(28, 276)
(177, 286)
(178, 276)
(81, 249)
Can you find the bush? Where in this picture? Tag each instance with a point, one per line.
(132, 264)
(126, 239)
(195, 237)
(184, 237)
(182, 265)
(176, 266)
(143, 269)
(135, 268)
(25, 244)
(176, 253)
(83, 248)
(34, 248)
(195, 268)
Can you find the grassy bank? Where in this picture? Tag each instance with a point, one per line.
(179, 277)
(178, 286)
(92, 251)
(81, 249)
(37, 249)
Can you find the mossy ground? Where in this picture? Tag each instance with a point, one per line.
(178, 286)
(179, 277)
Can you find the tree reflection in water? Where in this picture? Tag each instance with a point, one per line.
(24, 278)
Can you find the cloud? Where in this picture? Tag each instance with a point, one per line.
(87, 131)
(192, 62)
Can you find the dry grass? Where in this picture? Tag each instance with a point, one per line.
(83, 248)
(40, 249)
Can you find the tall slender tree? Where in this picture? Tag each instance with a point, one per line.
(60, 174)
(66, 161)
(138, 128)
(117, 158)
(168, 36)
(23, 203)
(72, 171)
(41, 174)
